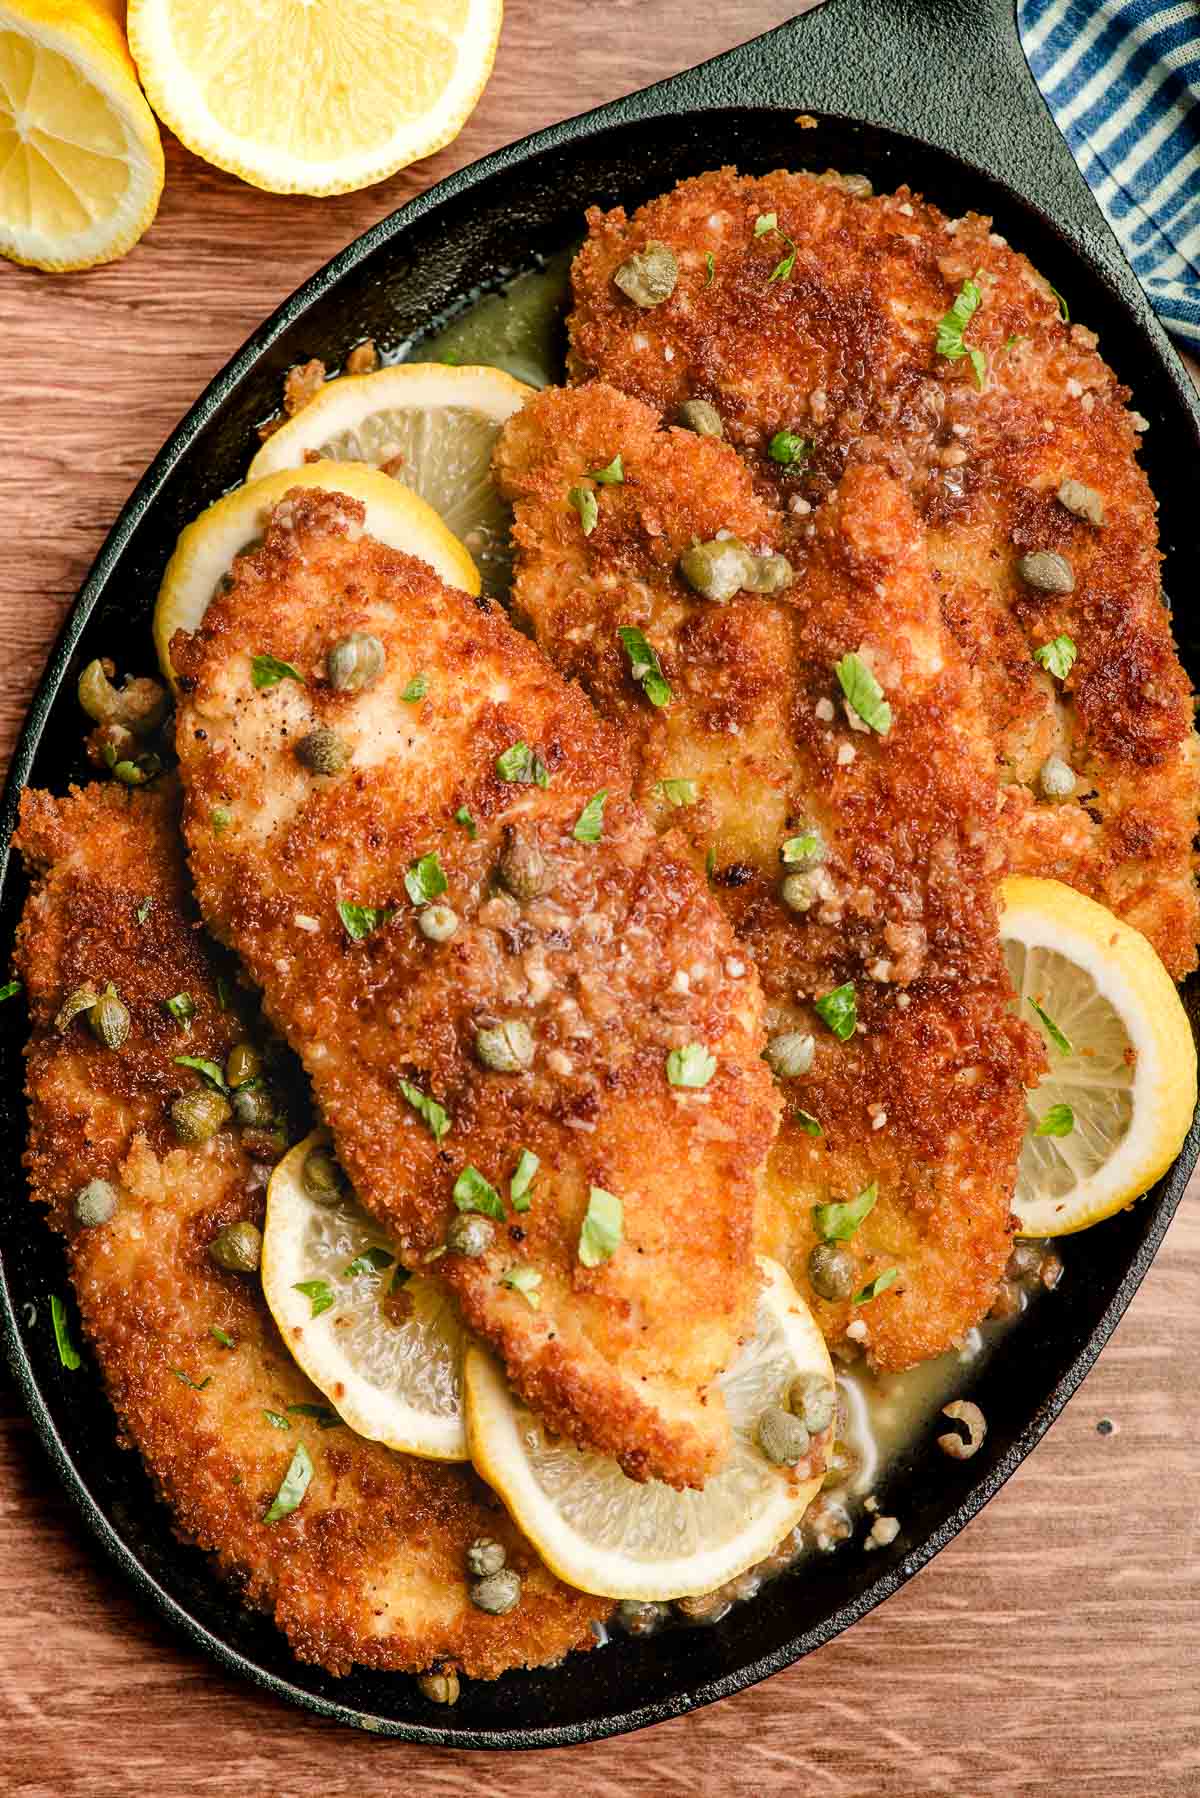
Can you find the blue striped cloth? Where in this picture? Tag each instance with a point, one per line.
(1122, 79)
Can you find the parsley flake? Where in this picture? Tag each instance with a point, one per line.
(462, 816)
(360, 920)
(181, 1009)
(1057, 656)
(143, 910)
(691, 1066)
(807, 847)
(587, 506)
(371, 1261)
(951, 328)
(473, 1193)
(323, 1415)
(766, 221)
(220, 819)
(864, 693)
(785, 265)
(416, 689)
(525, 1281)
(68, 1354)
(268, 671)
(839, 1010)
(425, 879)
(9, 990)
(644, 665)
(196, 1385)
(710, 265)
(224, 993)
(837, 1223)
(787, 448)
(1061, 1042)
(292, 1487)
(678, 792)
(428, 1109)
(222, 1336)
(522, 766)
(210, 1071)
(276, 1420)
(1058, 1121)
(318, 1293)
(522, 1180)
(589, 826)
(603, 1223)
(874, 1287)
(1064, 309)
(612, 476)
(807, 1123)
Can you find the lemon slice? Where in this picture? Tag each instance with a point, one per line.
(604, 1533)
(389, 1362)
(435, 427)
(81, 164)
(314, 96)
(1118, 1099)
(207, 547)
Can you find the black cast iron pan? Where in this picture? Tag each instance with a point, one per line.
(933, 92)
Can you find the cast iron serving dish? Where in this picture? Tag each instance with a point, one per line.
(932, 92)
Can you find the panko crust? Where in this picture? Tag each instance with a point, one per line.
(906, 904)
(842, 350)
(621, 1357)
(370, 1569)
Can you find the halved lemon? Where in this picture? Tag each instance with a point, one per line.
(389, 1360)
(604, 1533)
(1112, 1112)
(81, 162)
(435, 428)
(206, 547)
(318, 97)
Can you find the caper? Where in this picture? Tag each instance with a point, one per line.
(355, 662)
(322, 1177)
(140, 705)
(832, 1270)
(485, 1556)
(506, 1047)
(769, 574)
(782, 1437)
(498, 1594)
(439, 1688)
(82, 999)
(521, 869)
(322, 751)
(1047, 570)
(109, 1019)
(109, 744)
(438, 922)
(699, 416)
(813, 1400)
(199, 1115)
(718, 569)
(137, 773)
(238, 1248)
(470, 1235)
(95, 1203)
(244, 1063)
(799, 892)
(1056, 778)
(648, 277)
(1082, 501)
(790, 1054)
(254, 1105)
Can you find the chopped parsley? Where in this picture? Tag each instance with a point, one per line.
(874, 1287)
(589, 826)
(952, 325)
(522, 766)
(678, 792)
(804, 848)
(181, 1009)
(68, 1354)
(766, 221)
(433, 1114)
(268, 671)
(323, 1415)
(223, 992)
(318, 1293)
(1057, 656)
(522, 1180)
(473, 1193)
(769, 221)
(644, 665)
(371, 1261)
(710, 862)
(425, 879)
(207, 1070)
(196, 1385)
(222, 1336)
(1064, 309)
(691, 1066)
(863, 693)
(525, 1281)
(360, 920)
(277, 1420)
(587, 506)
(462, 816)
(603, 1223)
(807, 1123)
(837, 1223)
(220, 819)
(1061, 1042)
(1058, 1121)
(612, 476)
(787, 448)
(839, 1010)
(9, 990)
(710, 264)
(143, 910)
(416, 689)
(292, 1487)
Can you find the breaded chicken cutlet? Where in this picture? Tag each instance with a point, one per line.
(370, 1568)
(806, 306)
(540, 1009)
(893, 835)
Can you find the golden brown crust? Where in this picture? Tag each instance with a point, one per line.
(370, 1569)
(620, 1356)
(905, 909)
(842, 350)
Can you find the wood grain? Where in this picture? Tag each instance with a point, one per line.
(1050, 1650)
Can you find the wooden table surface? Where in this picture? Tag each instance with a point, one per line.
(1050, 1650)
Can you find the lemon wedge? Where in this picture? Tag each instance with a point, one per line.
(1112, 1112)
(81, 163)
(434, 427)
(388, 1359)
(207, 547)
(319, 97)
(606, 1534)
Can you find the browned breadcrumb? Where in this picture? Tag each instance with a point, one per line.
(363, 358)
